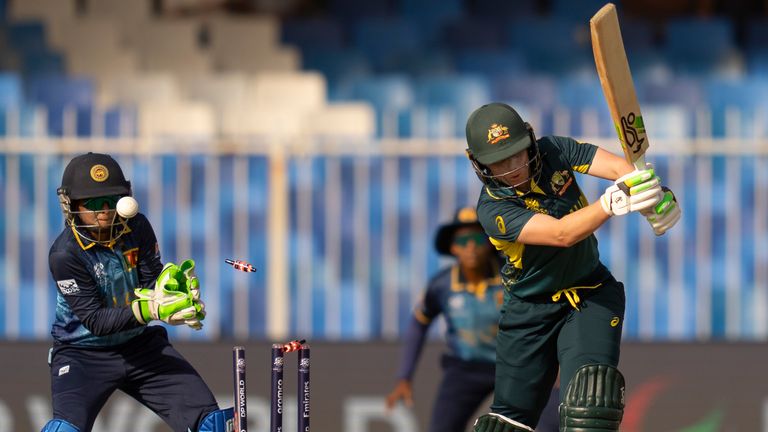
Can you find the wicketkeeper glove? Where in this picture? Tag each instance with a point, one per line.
(665, 214)
(191, 285)
(166, 302)
(636, 191)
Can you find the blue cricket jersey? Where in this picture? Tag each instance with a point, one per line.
(95, 284)
(471, 312)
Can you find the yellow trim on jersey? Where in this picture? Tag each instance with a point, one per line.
(513, 251)
(581, 168)
(572, 295)
(478, 289)
(420, 317)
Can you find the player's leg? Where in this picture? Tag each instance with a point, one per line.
(221, 420)
(550, 416)
(164, 381)
(526, 361)
(81, 382)
(592, 389)
(58, 425)
(465, 385)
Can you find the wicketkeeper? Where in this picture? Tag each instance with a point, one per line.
(110, 284)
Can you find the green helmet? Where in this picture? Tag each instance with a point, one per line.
(495, 132)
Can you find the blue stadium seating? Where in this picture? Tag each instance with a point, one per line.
(685, 92)
(496, 10)
(581, 96)
(471, 33)
(454, 96)
(581, 10)
(27, 35)
(58, 94)
(431, 15)
(697, 46)
(491, 63)
(338, 65)
(313, 33)
(10, 90)
(390, 96)
(388, 41)
(552, 45)
(749, 97)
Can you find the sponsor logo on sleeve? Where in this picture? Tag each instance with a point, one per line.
(68, 286)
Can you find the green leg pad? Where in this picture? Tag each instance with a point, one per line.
(594, 400)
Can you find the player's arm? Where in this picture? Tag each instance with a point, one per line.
(416, 335)
(149, 266)
(545, 230)
(608, 165)
(83, 297)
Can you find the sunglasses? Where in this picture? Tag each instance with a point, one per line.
(478, 237)
(97, 203)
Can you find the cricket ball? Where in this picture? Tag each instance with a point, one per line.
(127, 207)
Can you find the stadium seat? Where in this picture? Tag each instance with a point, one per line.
(16, 117)
(310, 34)
(581, 10)
(449, 101)
(176, 119)
(139, 89)
(491, 63)
(747, 99)
(172, 46)
(49, 11)
(465, 34)
(552, 45)
(337, 65)
(502, 10)
(352, 11)
(65, 99)
(300, 90)
(389, 95)
(388, 42)
(584, 100)
(27, 36)
(699, 46)
(250, 45)
(341, 120)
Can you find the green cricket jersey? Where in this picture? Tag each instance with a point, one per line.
(533, 270)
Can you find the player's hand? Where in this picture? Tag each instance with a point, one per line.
(665, 214)
(165, 302)
(402, 391)
(636, 191)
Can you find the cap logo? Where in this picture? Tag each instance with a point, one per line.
(497, 133)
(467, 215)
(99, 173)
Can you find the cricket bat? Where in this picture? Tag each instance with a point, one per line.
(616, 80)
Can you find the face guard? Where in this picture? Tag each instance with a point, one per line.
(495, 182)
(103, 234)
(93, 179)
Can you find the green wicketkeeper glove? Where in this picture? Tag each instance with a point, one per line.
(166, 302)
(191, 284)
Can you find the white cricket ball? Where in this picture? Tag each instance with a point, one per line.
(127, 207)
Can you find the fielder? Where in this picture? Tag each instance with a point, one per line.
(562, 306)
(104, 256)
(468, 294)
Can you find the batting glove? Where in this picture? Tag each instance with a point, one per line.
(636, 191)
